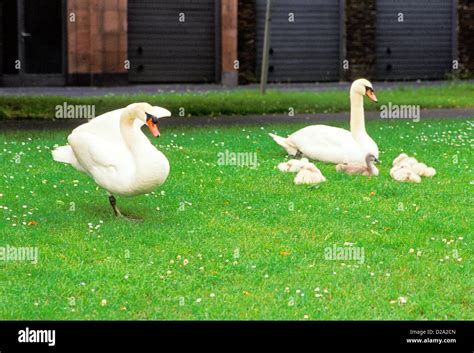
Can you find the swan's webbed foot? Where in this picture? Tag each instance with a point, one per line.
(113, 203)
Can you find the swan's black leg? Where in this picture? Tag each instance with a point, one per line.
(113, 203)
(117, 212)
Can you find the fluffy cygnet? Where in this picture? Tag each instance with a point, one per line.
(293, 165)
(404, 174)
(309, 174)
(420, 169)
(368, 170)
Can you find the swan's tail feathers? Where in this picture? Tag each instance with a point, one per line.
(283, 142)
(65, 154)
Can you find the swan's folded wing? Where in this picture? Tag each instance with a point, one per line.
(322, 136)
(95, 153)
(106, 126)
(326, 143)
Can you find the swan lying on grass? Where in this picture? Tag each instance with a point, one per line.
(332, 144)
(113, 151)
(368, 170)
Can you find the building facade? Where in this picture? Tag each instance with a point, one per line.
(108, 42)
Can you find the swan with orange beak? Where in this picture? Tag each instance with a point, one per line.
(332, 144)
(152, 123)
(113, 150)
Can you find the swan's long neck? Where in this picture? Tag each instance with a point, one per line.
(151, 166)
(129, 134)
(357, 114)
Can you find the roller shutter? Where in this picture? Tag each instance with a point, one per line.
(419, 47)
(163, 49)
(307, 49)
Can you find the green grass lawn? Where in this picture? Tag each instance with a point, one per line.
(224, 242)
(244, 101)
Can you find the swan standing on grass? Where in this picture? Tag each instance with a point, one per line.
(114, 152)
(332, 144)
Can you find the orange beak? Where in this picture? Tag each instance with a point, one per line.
(153, 128)
(371, 95)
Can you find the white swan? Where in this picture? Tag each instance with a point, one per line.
(113, 150)
(332, 144)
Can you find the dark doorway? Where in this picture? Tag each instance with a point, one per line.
(173, 40)
(422, 47)
(32, 42)
(9, 36)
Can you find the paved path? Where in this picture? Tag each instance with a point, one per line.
(236, 120)
(170, 88)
